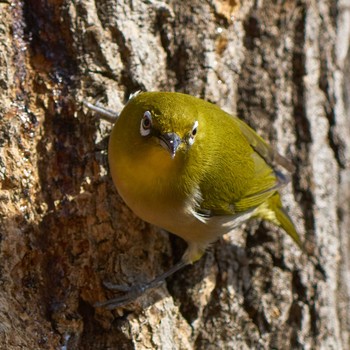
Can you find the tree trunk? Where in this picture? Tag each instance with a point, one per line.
(282, 66)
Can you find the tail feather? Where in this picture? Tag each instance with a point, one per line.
(273, 211)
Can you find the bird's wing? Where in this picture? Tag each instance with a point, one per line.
(270, 155)
(265, 182)
(251, 200)
(262, 179)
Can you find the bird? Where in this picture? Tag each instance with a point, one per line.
(183, 164)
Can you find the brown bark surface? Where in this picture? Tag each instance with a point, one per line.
(282, 66)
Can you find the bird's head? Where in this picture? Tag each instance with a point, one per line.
(161, 121)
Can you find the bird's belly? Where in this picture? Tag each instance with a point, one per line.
(170, 208)
(181, 220)
(176, 218)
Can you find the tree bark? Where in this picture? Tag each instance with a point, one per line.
(282, 66)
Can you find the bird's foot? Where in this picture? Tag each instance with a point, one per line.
(133, 292)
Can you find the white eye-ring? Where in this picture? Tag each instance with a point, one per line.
(146, 124)
(193, 133)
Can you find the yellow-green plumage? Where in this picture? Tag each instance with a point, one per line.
(215, 179)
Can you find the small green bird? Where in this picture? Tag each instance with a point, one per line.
(185, 165)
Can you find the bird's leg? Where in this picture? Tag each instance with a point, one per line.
(105, 113)
(134, 292)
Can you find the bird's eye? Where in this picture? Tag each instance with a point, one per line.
(193, 133)
(146, 124)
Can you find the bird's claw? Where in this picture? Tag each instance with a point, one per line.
(118, 287)
(132, 293)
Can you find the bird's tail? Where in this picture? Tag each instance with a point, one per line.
(273, 211)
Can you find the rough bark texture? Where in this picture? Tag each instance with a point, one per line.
(282, 66)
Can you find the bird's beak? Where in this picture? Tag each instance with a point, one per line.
(171, 142)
